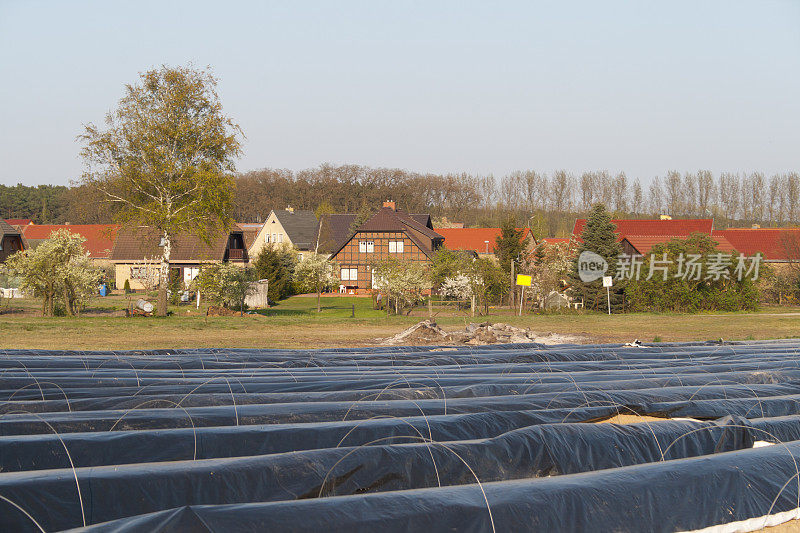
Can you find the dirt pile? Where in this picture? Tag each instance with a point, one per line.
(425, 332)
(428, 332)
(217, 310)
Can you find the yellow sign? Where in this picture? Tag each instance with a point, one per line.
(523, 280)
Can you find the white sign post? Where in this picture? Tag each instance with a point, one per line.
(608, 281)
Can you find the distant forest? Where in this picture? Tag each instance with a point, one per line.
(549, 203)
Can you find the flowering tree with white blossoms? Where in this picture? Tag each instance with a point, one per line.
(405, 281)
(550, 269)
(462, 286)
(57, 269)
(316, 274)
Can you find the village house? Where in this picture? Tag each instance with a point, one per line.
(388, 234)
(98, 243)
(99, 239)
(776, 245)
(637, 237)
(136, 255)
(288, 227)
(481, 241)
(11, 240)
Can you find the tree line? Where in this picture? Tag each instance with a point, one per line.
(549, 202)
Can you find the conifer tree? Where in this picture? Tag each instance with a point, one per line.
(276, 264)
(598, 236)
(509, 244)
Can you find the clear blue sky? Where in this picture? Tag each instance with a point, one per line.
(482, 87)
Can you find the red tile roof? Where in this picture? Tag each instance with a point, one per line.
(473, 238)
(99, 237)
(682, 228)
(556, 240)
(644, 243)
(776, 244)
(19, 221)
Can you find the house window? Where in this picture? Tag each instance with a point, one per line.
(266, 239)
(366, 247)
(280, 237)
(349, 274)
(138, 272)
(395, 247)
(274, 237)
(189, 273)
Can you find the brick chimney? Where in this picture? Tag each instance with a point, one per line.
(390, 204)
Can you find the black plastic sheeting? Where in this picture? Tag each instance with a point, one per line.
(479, 439)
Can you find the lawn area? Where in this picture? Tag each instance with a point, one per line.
(295, 323)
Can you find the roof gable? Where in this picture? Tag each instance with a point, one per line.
(423, 219)
(387, 220)
(7, 229)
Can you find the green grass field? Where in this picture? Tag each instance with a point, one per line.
(295, 323)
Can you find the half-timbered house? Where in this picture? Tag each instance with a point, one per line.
(388, 234)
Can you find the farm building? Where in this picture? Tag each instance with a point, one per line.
(137, 251)
(388, 234)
